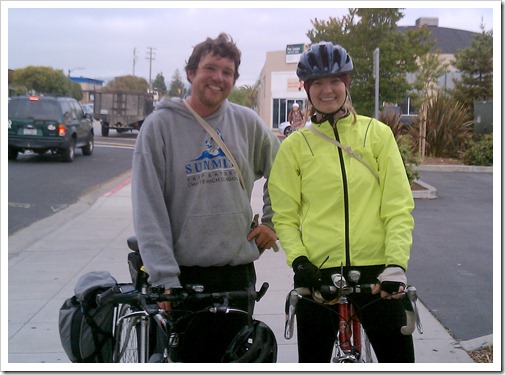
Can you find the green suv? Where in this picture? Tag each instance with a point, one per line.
(45, 123)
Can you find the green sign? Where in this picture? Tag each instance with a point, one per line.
(294, 49)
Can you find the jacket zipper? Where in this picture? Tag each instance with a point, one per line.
(346, 197)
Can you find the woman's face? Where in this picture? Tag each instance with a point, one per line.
(327, 94)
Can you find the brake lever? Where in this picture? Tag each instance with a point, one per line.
(412, 295)
(413, 319)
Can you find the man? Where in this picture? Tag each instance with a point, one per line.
(191, 215)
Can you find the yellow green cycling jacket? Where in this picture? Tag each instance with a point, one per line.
(327, 203)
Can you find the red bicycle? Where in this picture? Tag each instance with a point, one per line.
(351, 342)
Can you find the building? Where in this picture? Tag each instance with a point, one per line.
(279, 86)
(88, 85)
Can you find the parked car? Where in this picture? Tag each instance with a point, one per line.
(45, 123)
(285, 127)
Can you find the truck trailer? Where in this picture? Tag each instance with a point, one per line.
(122, 111)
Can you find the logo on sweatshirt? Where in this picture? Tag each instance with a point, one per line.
(212, 166)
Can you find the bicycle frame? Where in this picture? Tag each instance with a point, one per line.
(351, 345)
(351, 342)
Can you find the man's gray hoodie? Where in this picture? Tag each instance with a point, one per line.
(189, 208)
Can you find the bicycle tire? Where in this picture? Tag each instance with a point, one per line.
(367, 353)
(127, 336)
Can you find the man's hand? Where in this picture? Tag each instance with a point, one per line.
(264, 236)
(165, 305)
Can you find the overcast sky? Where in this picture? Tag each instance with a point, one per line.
(101, 41)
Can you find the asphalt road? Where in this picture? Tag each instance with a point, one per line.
(452, 257)
(40, 186)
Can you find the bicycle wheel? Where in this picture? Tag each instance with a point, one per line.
(367, 354)
(127, 336)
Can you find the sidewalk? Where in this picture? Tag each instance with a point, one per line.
(47, 258)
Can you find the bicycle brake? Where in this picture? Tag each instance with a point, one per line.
(412, 295)
(413, 319)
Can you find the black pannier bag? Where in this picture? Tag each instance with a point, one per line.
(86, 329)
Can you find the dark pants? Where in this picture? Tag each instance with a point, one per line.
(382, 319)
(206, 336)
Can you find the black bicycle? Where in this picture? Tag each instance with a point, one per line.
(145, 333)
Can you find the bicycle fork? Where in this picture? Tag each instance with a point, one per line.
(349, 333)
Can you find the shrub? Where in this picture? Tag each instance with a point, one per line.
(479, 151)
(400, 131)
(409, 161)
(448, 127)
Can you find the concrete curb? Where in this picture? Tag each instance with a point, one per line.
(453, 168)
(429, 193)
(477, 343)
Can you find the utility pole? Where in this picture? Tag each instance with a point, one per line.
(134, 59)
(71, 70)
(376, 55)
(150, 57)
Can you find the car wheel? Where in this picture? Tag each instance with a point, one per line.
(90, 146)
(69, 152)
(13, 153)
(288, 131)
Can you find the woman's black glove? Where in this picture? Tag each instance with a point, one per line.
(306, 274)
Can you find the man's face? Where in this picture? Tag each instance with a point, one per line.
(212, 81)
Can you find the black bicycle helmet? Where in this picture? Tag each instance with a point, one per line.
(323, 60)
(255, 343)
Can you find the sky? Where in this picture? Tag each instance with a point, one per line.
(97, 39)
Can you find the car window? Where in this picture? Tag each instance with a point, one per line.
(69, 113)
(34, 109)
(78, 110)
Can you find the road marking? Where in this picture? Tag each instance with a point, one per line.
(124, 145)
(59, 207)
(118, 187)
(113, 146)
(20, 205)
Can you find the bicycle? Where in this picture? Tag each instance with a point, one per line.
(145, 333)
(351, 342)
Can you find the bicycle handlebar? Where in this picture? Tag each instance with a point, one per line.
(114, 295)
(409, 300)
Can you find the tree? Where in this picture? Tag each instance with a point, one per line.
(75, 91)
(245, 95)
(177, 87)
(360, 33)
(127, 83)
(476, 66)
(159, 84)
(45, 80)
(431, 68)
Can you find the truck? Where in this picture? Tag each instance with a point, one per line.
(122, 111)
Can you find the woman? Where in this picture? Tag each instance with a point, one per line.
(341, 196)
